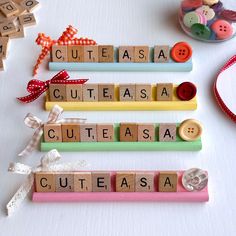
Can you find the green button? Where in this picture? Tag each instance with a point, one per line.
(201, 31)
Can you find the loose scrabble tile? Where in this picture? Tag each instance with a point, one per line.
(8, 8)
(45, 181)
(59, 53)
(57, 92)
(141, 54)
(146, 133)
(126, 54)
(88, 132)
(21, 10)
(91, 53)
(52, 133)
(125, 182)
(7, 28)
(101, 182)
(143, 92)
(27, 19)
(105, 132)
(106, 92)
(70, 132)
(167, 132)
(18, 34)
(128, 132)
(127, 92)
(74, 92)
(3, 47)
(29, 5)
(168, 181)
(82, 182)
(161, 53)
(144, 182)
(165, 92)
(1, 65)
(90, 92)
(106, 53)
(75, 53)
(64, 182)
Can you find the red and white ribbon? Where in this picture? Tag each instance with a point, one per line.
(49, 162)
(38, 87)
(227, 106)
(67, 38)
(35, 123)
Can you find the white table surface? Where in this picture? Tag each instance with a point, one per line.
(132, 22)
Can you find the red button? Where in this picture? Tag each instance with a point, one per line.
(186, 91)
(229, 15)
(222, 29)
(181, 52)
(191, 4)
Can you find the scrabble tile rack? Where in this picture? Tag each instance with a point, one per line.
(175, 104)
(181, 195)
(170, 66)
(178, 145)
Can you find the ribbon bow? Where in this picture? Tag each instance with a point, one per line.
(48, 163)
(38, 87)
(35, 123)
(67, 38)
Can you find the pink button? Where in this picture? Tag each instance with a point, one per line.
(222, 29)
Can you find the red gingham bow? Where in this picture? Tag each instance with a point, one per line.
(67, 38)
(219, 100)
(37, 87)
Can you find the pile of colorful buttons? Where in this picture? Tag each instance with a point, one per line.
(207, 20)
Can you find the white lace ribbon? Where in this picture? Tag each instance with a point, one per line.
(35, 123)
(48, 163)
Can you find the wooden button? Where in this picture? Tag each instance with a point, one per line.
(125, 182)
(70, 132)
(128, 132)
(101, 181)
(82, 182)
(141, 54)
(168, 181)
(144, 182)
(45, 182)
(167, 132)
(186, 91)
(190, 130)
(52, 133)
(181, 52)
(64, 182)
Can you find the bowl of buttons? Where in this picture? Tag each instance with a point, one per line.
(208, 20)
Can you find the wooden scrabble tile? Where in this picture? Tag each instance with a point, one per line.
(105, 132)
(127, 92)
(45, 181)
(8, 8)
(8, 27)
(126, 54)
(91, 53)
(141, 54)
(128, 132)
(165, 92)
(59, 53)
(106, 92)
(29, 5)
(90, 92)
(101, 181)
(82, 182)
(88, 132)
(74, 92)
(75, 53)
(167, 132)
(143, 92)
(57, 92)
(146, 133)
(3, 47)
(125, 182)
(1, 65)
(161, 53)
(21, 10)
(27, 19)
(144, 182)
(64, 182)
(18, 34)
(70, 132)
(168, 181)
(106, 53)
(52, 133)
